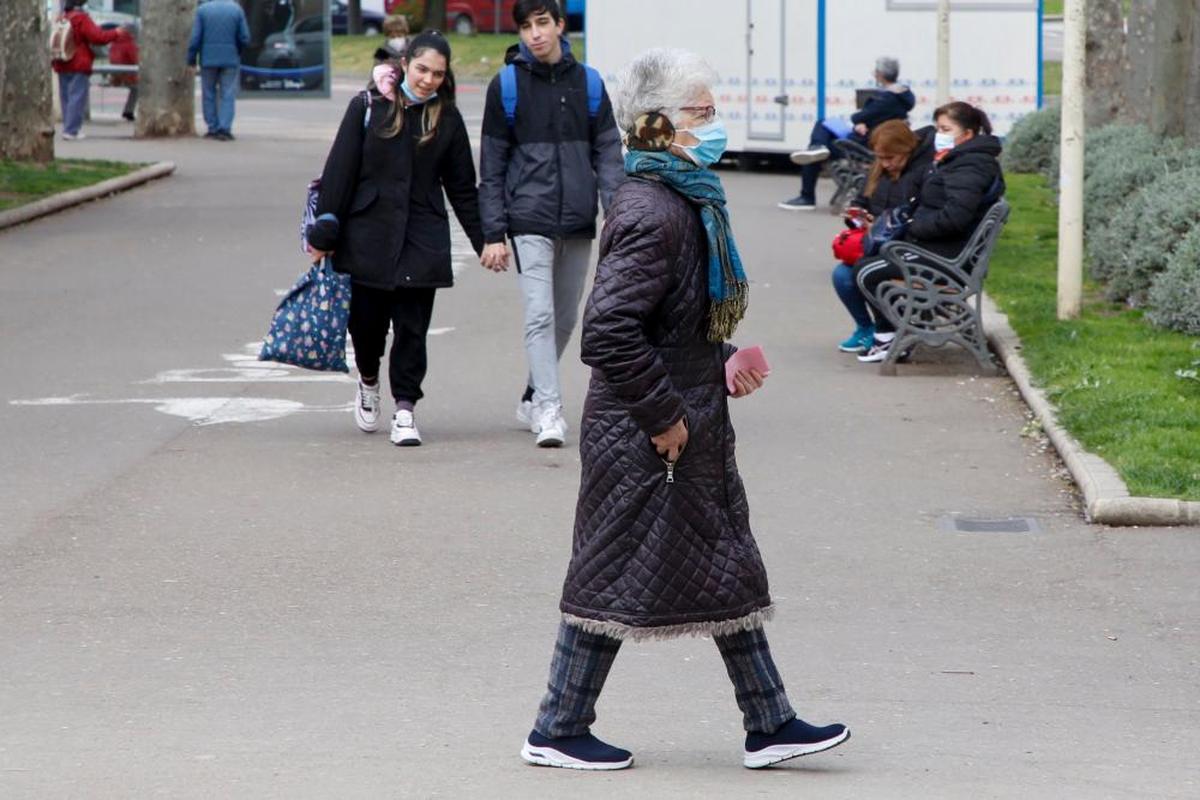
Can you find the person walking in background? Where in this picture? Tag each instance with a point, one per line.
(382, 217)
(396, 29)
(219, 35)
(125, 51)
(891, 100)
(662, 545)
(549, 144)
(73, 61)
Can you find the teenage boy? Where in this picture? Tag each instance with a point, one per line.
(549, 144)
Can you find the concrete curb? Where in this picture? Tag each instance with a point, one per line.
(1106, 497)
(57, 202)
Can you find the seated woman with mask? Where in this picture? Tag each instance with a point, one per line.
(964, 181)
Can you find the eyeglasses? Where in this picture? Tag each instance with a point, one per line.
(706, 113)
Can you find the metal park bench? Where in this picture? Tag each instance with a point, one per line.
(850, 166)
(939, 301)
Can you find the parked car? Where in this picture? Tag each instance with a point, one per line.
(340, 13)
(486, 16)
(290, 60)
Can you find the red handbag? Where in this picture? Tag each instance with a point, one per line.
(848, 245)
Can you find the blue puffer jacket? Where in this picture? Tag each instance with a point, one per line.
(219, 34)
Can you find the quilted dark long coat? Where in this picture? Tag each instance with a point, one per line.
(654, 558)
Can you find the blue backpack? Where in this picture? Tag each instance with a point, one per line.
(508, 92)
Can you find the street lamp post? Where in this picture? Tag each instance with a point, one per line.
(1070, 176)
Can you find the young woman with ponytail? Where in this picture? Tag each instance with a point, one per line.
(382, 219)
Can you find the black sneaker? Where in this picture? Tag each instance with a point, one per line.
(797, 738)
(799, 203)
(574, 752)
(212, 135)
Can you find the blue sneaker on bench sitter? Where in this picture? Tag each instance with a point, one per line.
(574, 752)
(797, 738)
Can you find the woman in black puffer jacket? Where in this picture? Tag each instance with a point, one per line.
(662, 543)
(963, 183)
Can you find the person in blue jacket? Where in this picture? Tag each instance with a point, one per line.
(219, 35)
(891, 100)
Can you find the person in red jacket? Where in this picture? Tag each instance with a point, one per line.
(73, 75)
(125, 51)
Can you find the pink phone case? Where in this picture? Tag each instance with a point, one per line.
(745, 358)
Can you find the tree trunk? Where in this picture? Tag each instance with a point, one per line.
(26, 110)
(435, 15)
(1106, 62)
(1139, 49)
(354, 23)
(1172, 57)
(166, 87)
(1192, 107)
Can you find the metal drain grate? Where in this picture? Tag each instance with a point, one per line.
(954, 524)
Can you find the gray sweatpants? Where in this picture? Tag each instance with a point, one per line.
(552, 274)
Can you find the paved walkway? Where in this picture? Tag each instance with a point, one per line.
(211, 585)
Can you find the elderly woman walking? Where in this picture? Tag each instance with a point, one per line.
(662, 543)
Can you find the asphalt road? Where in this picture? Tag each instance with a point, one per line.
(212, 585)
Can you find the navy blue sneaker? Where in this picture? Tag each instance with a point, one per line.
(574, 752)
(797, 738)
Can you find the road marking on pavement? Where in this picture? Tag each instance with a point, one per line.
(201, 410)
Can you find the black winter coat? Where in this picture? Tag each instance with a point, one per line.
(542, 175)
(892, 193)
(387, 195)
(653, 558)
(894, 102)
(956, 194)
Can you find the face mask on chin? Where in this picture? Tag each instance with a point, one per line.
(713, 140)
(412, 97)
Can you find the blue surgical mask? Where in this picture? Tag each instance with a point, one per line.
(943, 141)
(713, 140)
(412, 98)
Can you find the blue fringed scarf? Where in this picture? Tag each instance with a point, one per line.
(728, 290)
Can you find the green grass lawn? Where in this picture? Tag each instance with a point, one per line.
(1112, 375)
(1052, 77)
(476, 57)
(22, 183)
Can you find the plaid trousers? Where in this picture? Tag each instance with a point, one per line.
(582, 660)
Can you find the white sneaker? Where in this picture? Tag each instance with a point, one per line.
(552, 428)
(366, 408)
(811, 156)
(526, 417)
(71, 137)
(404, 429)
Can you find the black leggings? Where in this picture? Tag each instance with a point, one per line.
(407, 312)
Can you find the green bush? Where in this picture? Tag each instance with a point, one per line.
(1119, 160)
(1032, 144)
(1133, 246)
(1175, 294)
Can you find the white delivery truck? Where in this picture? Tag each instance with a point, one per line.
(784, 64)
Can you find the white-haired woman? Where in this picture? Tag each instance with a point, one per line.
(662, 543)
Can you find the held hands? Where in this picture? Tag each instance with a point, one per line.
(670, 443)
(861, 129)
(747, 381)
(495, 257)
